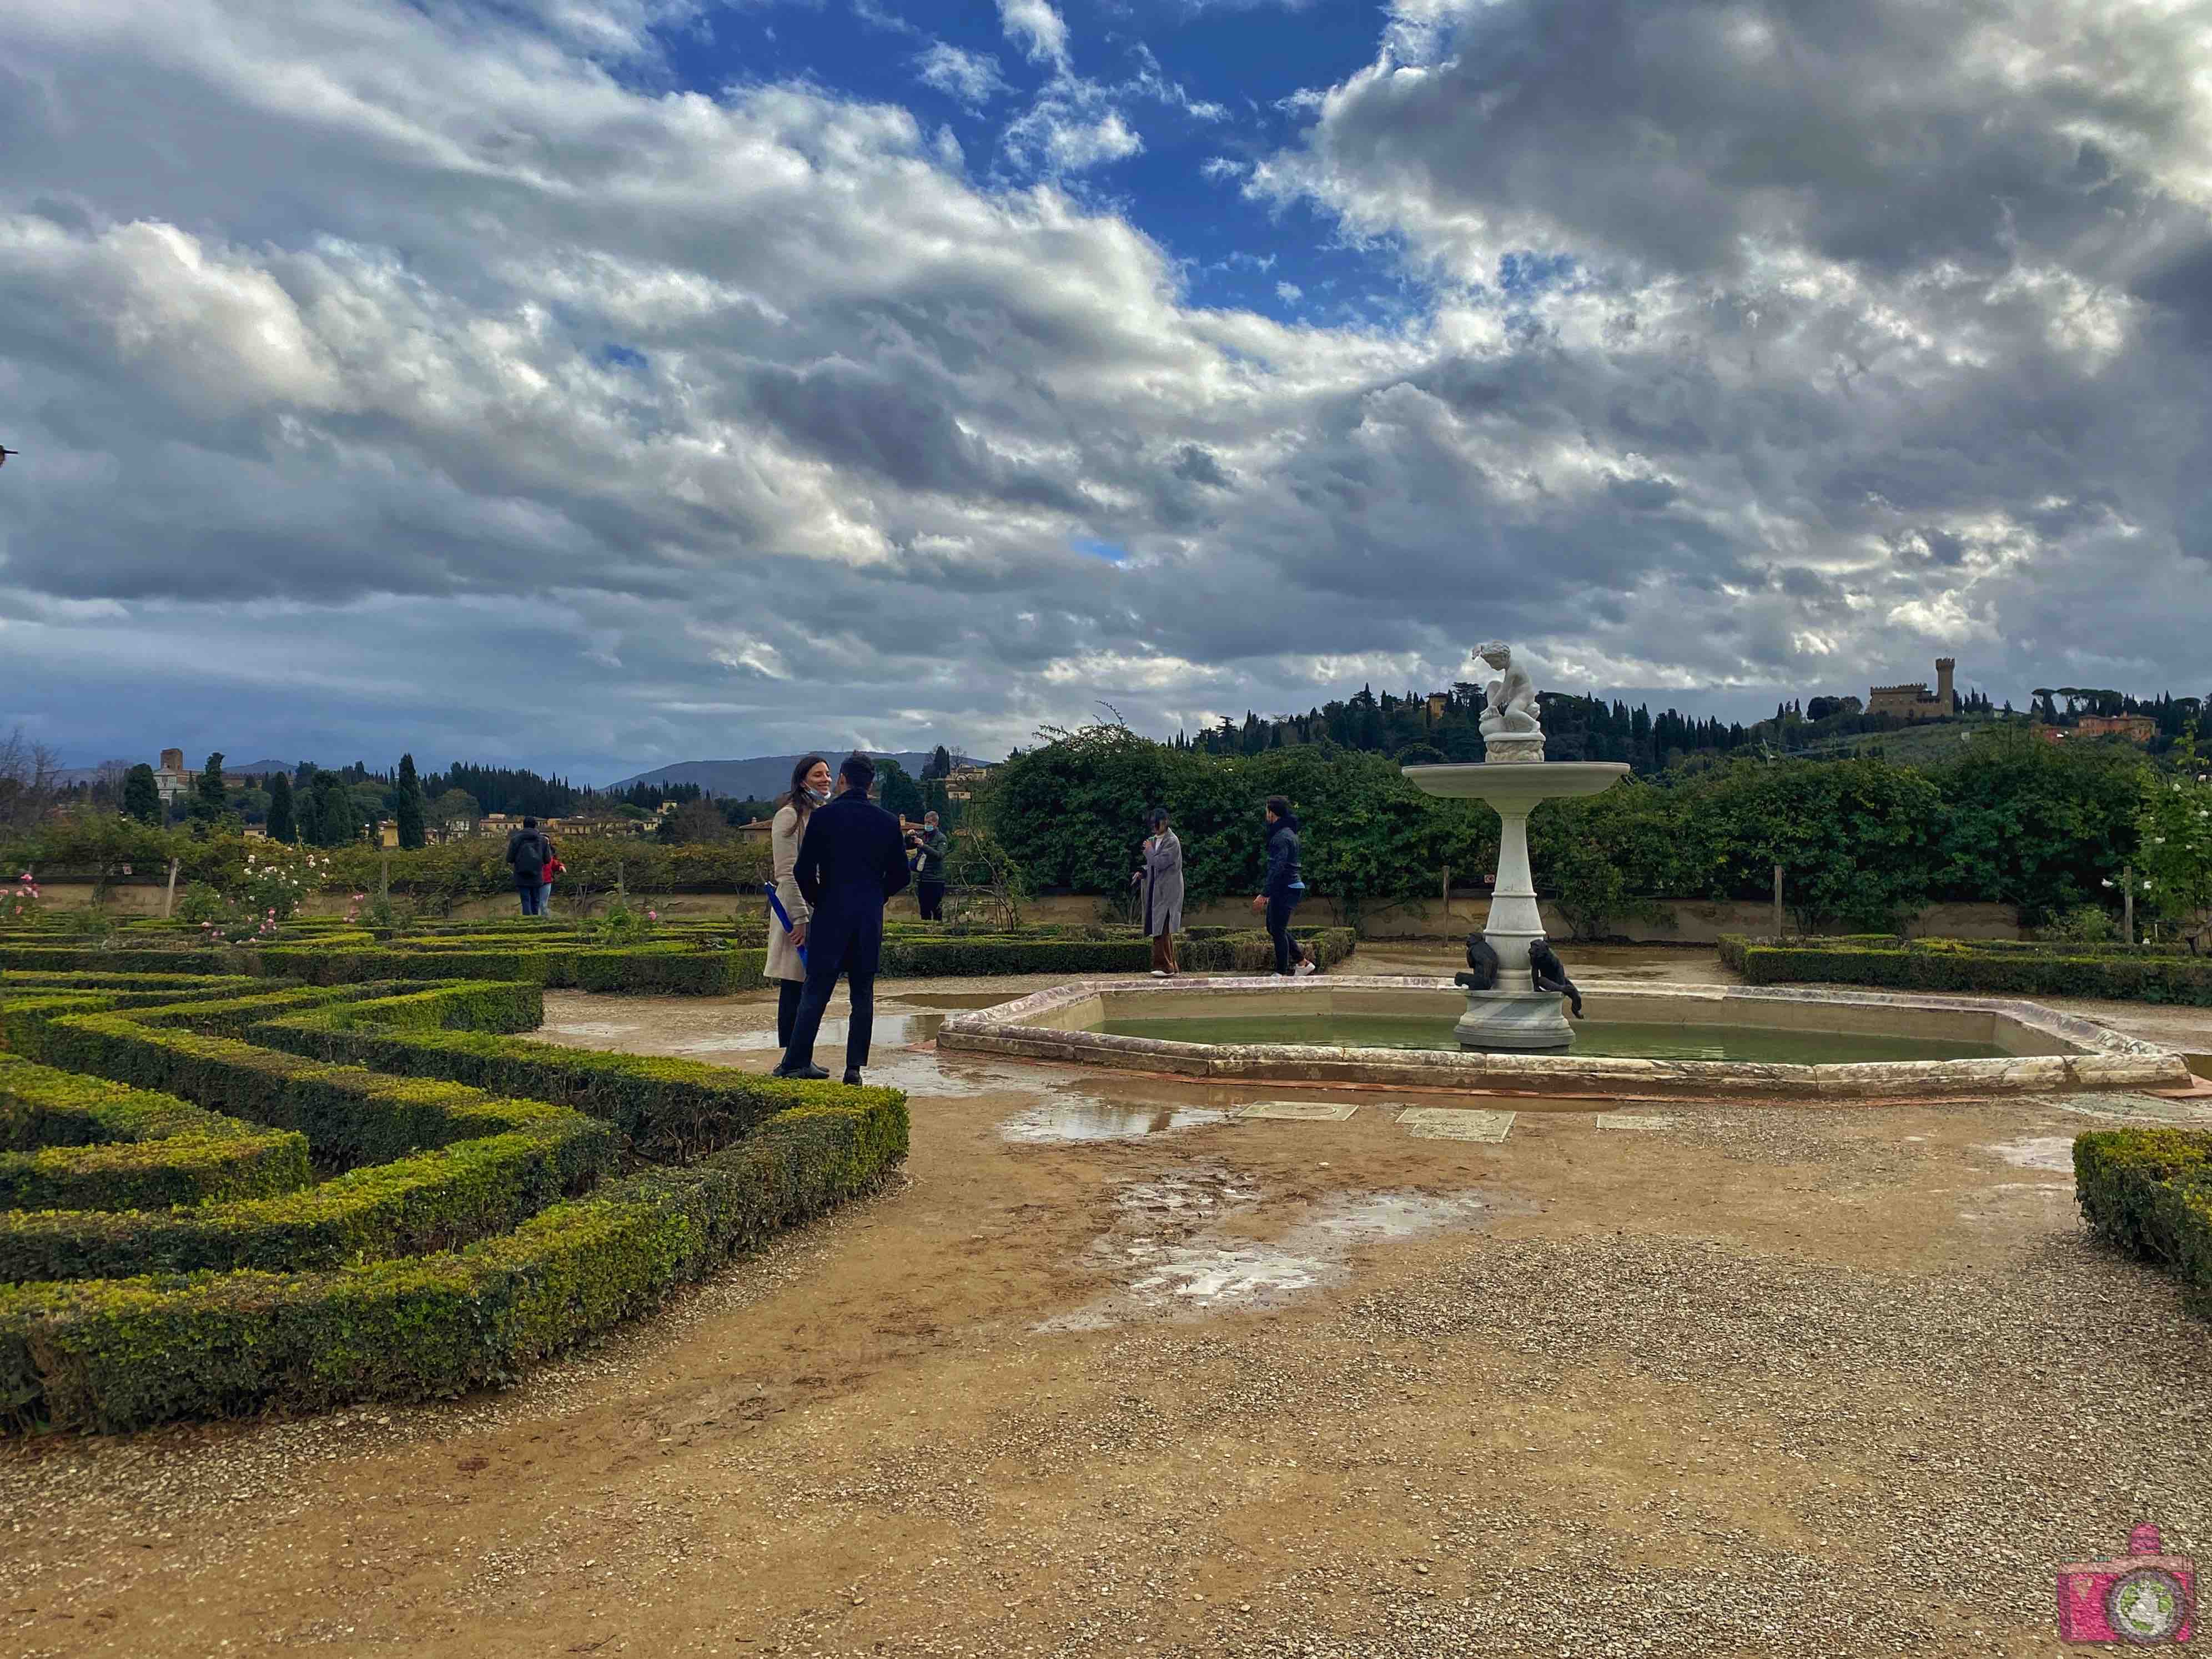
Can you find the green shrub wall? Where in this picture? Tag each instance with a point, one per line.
(2149, 1191)
(1956, 966)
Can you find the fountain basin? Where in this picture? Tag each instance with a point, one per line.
(2027, 1049)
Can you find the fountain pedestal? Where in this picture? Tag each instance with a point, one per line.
(1514, 1015)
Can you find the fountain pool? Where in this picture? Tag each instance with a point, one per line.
(1686, 1040)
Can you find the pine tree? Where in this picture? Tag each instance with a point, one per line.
(409, 811)
(280, 825)
(142, 795)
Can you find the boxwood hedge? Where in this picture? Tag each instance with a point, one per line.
(161, 1259)
(2149, 1191)
(1968, 966)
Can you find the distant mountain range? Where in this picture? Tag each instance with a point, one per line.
(764, 776)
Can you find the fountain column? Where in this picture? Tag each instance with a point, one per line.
(1513, 777)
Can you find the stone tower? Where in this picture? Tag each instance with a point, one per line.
(1945, 699)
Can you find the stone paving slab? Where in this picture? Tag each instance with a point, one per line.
(1453, 1123)
(1636, 1121)
(1325, 1111)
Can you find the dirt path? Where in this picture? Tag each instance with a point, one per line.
(1109, 1372)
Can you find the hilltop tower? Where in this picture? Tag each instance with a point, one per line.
(1946, 699)
(1914, 702)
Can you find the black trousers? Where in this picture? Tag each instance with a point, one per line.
(1287, 951)
(826, 958)
(787, 994)
(930, 897)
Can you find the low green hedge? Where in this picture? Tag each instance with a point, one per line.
(667, 1109)
(351, 1117)
(1936, 965)
(122, 1354)
(2149, 1191)
(83, 1143)
(431, 1202)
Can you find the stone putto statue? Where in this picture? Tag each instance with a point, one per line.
(1509, 724)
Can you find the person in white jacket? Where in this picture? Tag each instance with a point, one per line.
(809, 788)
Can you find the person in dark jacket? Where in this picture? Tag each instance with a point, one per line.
(851, 860)
(930, 846)
(528, 853)
(1285, 886)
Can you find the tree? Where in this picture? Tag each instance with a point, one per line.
(282, 825)
(693, 823)
(938, 765)
(409, 810)
(328, 814)
(209, 796)
(455, 806)
(902, 795)
(28, 781)
(142, 795)
(2175, 845)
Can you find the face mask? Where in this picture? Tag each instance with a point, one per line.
(818, 796)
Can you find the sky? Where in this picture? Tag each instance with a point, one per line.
(589, 385)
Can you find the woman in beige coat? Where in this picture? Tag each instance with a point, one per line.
(809, 788)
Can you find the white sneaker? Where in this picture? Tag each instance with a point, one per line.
(1159, 973)
(1305, 967)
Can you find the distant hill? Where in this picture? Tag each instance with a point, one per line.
(764, 776)
(261, 768)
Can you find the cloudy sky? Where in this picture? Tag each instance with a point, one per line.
(591, 384)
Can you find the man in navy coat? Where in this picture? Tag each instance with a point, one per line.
(851, 859)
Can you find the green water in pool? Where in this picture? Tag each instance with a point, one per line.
(1603, 1039)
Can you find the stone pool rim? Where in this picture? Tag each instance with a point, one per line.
(2097, 1057)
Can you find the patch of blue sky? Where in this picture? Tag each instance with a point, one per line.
(1112, 552)
(621, 356)
(1200, 83)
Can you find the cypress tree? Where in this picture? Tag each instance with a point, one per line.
(209, 798)
(409, 811)
(142, 795)
(280, 825)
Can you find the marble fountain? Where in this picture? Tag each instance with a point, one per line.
(1503, 1026)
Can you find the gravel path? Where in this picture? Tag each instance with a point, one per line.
(1770, 1381)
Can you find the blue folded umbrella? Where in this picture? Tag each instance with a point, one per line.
(784, 916)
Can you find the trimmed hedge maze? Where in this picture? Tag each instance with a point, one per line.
(222, 1195)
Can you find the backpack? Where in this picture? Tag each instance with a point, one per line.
(529, 855)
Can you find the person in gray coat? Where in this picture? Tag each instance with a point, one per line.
(1162, 881)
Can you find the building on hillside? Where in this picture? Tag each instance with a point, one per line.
(386, 835)
(960, 783)
(1438, 701)
(2135, 728)
(170, 776)
(758, 829)
(1914, 702)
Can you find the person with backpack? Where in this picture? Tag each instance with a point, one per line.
(528, 853)
(1285, 886)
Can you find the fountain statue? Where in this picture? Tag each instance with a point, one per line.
(1516, 981)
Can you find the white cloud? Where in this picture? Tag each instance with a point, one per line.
(1289, 293)
(565, 412)
(1218, 169)
(972, 77)
(1037, 28)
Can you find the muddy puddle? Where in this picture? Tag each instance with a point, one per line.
(890, 1031)
(2052, 1152)
(1174, 1254)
